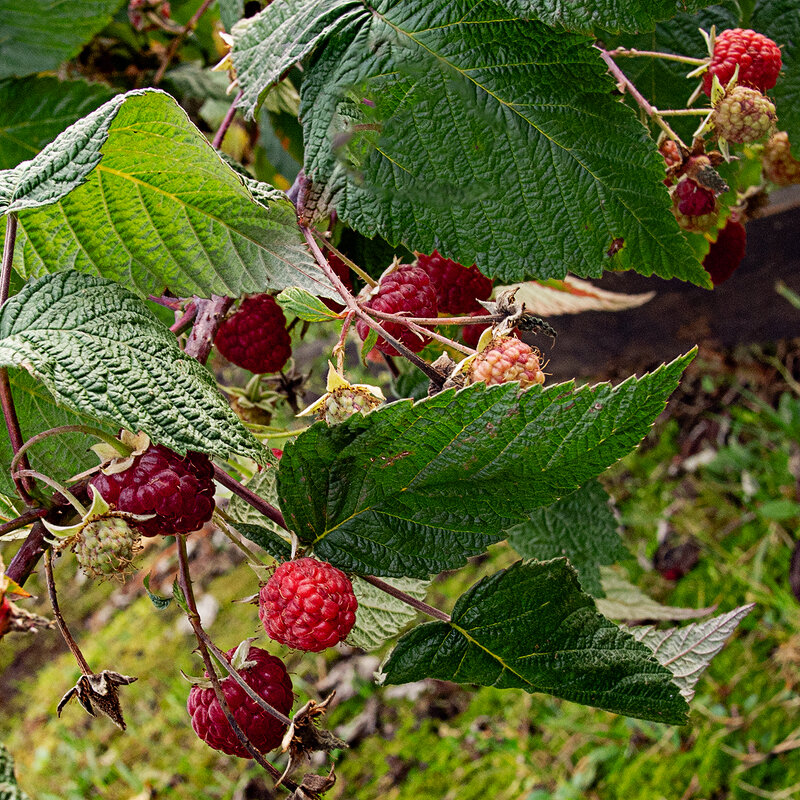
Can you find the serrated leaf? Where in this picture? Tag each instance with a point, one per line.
(624, 601)
(136, 193)
(531, 627)
(179, 597)
(268, 540)
(60, 457)
(98, 349)
(610, 15)
(305, 306)
(33, 111)
(37, 35)
(581, 527)
(414, 488)
(419, 130)
(572, 296)
(687, 651)
(159, 602)
(379, 615)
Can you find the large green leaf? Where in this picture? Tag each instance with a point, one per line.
(611, 15)
(99, 350)
(414, 488)
(581, 527)
(37, 35)
(33, 111)
(422, 129)
(134, 192)
(531, 627)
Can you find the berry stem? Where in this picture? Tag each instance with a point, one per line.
(338, 350)
(26, 518)
(62, 626)
(640, 99)
(186, 319)
(74, 502)
(632, 52)
(462, 348)
(178, 41)
(210, 314)
(368, 279)
(185, 582)
(484, 319)
(173, 303)
(27, 557)
(226, 123)
(682, 112)
(434, 375)
(250, 497)
(407, 598)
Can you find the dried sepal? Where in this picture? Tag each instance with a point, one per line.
(98, 692)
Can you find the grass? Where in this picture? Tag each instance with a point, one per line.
(457, 742)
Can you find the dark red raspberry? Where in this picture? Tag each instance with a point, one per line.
(758, 57)
(308, 605)
(458, 288)
(694, 200)
(255, 336)
(725, 255)
(179, 490)
(269, 679)
(471, 334)
(407, 289)
(343, 273)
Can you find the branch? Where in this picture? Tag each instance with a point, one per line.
(210, 314)
(631, 52)
(178, 40)
(249, 496)
(226, 123)
(27, 557)
(26, 518)
(407, 598)
(62, 626)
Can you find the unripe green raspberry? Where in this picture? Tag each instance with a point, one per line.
(780, 166)
(340, 404)
(743, 115)
(106, 547)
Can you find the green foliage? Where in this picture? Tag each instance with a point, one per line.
(513, 630)
(307, 307)
(418, 137)
(414, 488)
(38, 34)
(9, 789)
(581, 527)
(98, 350)
(174, 214)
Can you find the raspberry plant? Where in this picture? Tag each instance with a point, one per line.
(442, 174)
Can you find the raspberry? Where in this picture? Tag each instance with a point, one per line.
(407, 289)
(743, 115)
(471, 334)
(343, 273)
(780, 166)
(106, 547)
(341, 404)
(694, 206)
(179, 490)
(725, 255)
(671, 152)
(506, 359)
(255, 336)
(758, 58)
(308, 605)
(458, 288)
(266, 675)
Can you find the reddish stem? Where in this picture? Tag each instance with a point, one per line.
(226, 123)
(407, 598)
(186, 319)
(26, 518)
(178, 41)
(258, 503)
(210, 314)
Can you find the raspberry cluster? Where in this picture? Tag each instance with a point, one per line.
(268, 678)
(255, 336)
(179, 490)
(308, 605)
(506, 359)
(757, 56)
(407, 290)
(458, 288)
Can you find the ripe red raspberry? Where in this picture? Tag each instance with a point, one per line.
(780, 166)
(743, 115)
(179, 490)
(407, 289)
(725, 255)
(506, 359)
(471, 334)
(458, 288)
(255, 336)
(308, 605)
(343, 273)
(758, 57)
(268, 678)
(694, 206)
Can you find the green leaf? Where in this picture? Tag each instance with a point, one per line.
(531, 627)
(264, 484)
(611, 15)
(415, 488)
(37, 35)
(179, 597)
(687, 651)
(368, 344)
(230, 12)
(9, 788)
(422, 131)
(33, 111)
(380, 616)
(136, 193)
(159, 602)
(624, 601)
(98, 349)
(305, 306)
(268, 540)
(581, 527)
(60, 457)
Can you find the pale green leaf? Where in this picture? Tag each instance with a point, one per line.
(99, 350)
(305, 306)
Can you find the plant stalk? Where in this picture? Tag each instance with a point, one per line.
(226, 123)
(250, 497)
(407, 598)
(178, 41)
